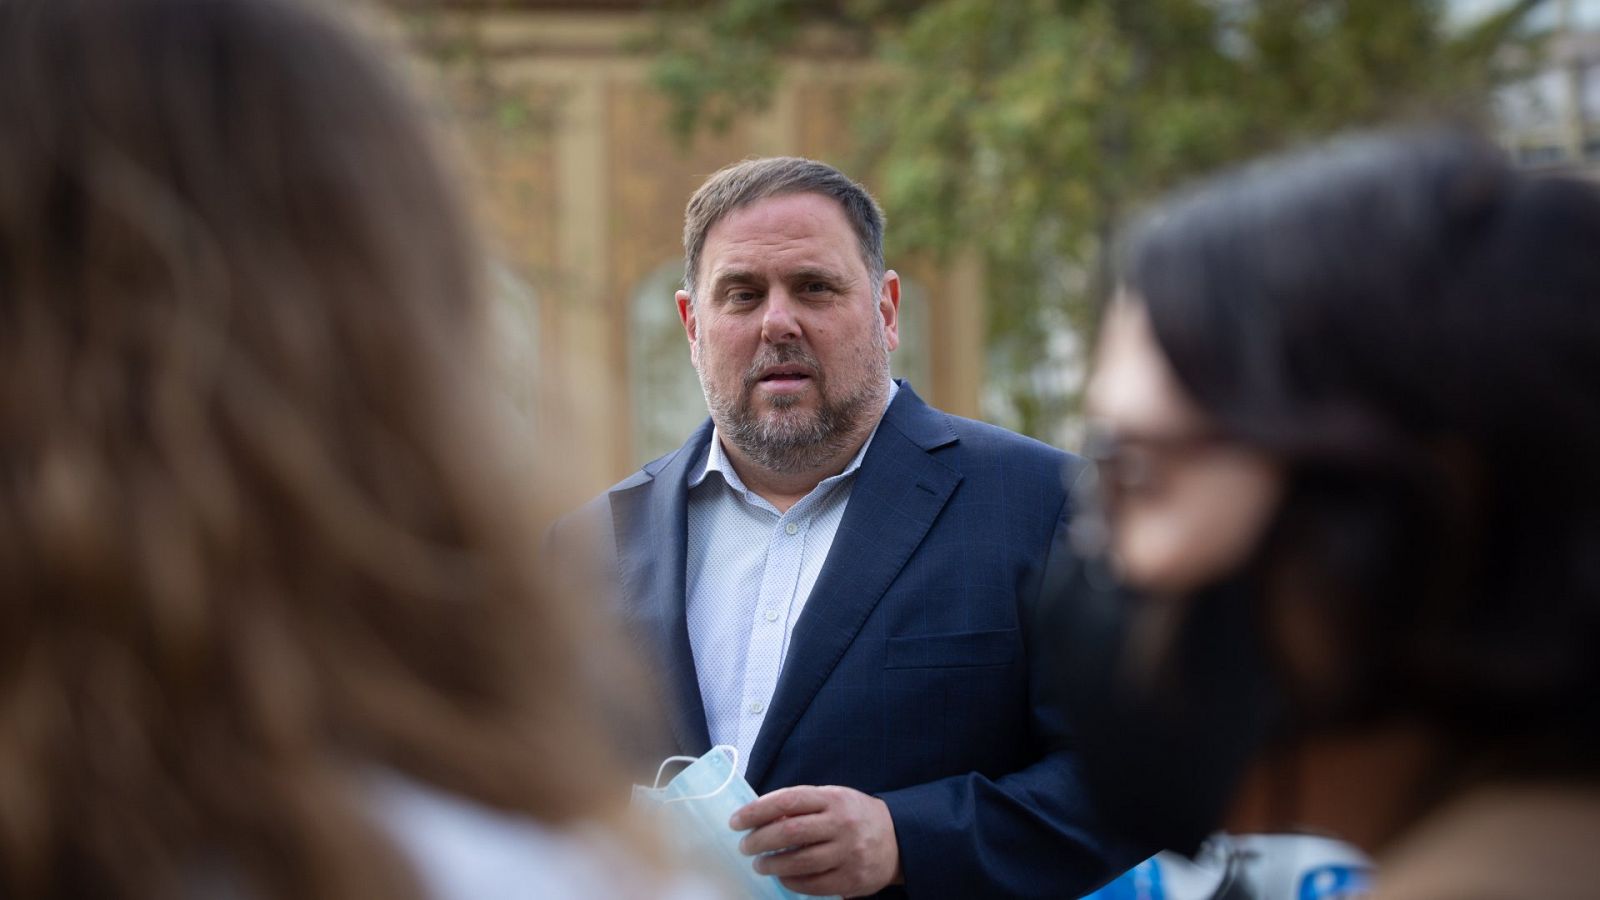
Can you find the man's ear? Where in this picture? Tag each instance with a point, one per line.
(889, 308)
(691, 325)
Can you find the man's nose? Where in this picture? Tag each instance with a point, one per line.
(780, 322)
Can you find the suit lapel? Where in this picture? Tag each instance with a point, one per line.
(650, 516)
(898, 493)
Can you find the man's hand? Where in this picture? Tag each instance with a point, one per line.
(835, 840)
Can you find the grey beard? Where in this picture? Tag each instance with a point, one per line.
(785, 445)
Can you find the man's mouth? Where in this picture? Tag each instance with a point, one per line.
(784, 375)
(785, 381)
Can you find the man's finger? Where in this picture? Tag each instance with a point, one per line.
(789, 832)
(789, 801)
(813, 860)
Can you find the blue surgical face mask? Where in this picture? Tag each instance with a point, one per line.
(695, 807)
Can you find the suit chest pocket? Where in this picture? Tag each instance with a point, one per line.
(953, 650)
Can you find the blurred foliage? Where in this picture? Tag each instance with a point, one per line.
(460, 63)
(1027, 130)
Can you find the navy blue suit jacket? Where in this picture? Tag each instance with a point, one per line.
(913, 673)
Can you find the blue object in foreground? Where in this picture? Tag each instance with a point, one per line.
(1142, 882)
(1249, 867)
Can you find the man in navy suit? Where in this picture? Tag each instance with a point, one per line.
(840, 581)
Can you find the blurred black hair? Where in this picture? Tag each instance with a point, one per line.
(1414, 328)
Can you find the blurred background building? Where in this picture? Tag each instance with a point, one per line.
(1551, 116)
(1006, 140)
(583, 183)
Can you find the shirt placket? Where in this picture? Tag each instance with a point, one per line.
(769, 631)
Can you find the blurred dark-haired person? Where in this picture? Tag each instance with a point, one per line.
(1347, 419)
(270, 626)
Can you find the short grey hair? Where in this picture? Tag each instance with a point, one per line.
(743, 183)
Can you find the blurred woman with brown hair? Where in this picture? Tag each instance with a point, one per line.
(272, 623)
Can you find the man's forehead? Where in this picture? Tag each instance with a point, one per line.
(782, 266)
(784, 217)
(787, 233)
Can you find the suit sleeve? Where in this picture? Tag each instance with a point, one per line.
(1029, 833)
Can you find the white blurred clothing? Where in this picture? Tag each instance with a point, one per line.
(461, 850)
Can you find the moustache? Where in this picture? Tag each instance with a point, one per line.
(782, 355)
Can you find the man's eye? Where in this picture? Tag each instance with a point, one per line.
(743, 296)
(816, 287)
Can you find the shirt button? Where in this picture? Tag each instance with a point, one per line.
(772, 615)
(790, 528)
(756, 707)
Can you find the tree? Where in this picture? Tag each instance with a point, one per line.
(1029, 130)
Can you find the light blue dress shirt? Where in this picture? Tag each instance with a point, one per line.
(749, 574)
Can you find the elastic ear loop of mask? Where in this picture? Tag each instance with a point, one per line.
(732, 771)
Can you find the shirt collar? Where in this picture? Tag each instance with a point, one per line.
(717, 458)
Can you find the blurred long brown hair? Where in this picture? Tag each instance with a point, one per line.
(261, 527)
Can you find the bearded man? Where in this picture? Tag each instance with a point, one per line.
(840, 581)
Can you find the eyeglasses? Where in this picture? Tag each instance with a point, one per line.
(1135, 463)
(1126, 464)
